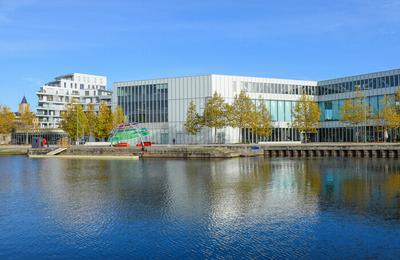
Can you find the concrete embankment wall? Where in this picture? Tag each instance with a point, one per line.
(13, 150)
(381, 150)
(231, 151)
(150, 152)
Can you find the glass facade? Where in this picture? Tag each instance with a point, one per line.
(330, 110)
(144, 103)
(280, 110)
(326, 88)
(278, 88)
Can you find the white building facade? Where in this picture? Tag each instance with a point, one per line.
(161, 105)
(54, 96)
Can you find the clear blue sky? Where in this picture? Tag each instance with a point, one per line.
(121, 39)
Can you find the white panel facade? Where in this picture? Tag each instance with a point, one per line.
(54, 96)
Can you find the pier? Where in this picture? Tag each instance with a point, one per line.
(367, 150)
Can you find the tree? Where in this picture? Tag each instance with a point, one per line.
(27, 121)
(92, 119)
(7, 120)
(388, 116)
(215, 113)
(355, 112)
(264, 121)
(397, 95)
(193, 121)
(74, 121)
(104, 124)
(242, 114)
(118, 116)
(306, 116)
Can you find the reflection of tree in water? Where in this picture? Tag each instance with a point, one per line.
(361, 185)
(83, 192)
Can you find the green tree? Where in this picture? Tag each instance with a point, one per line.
(306, 116)
(7, 120)
(242, 114)
(215, 113)
(27, 121)
(104, 124)
(74, 121)
(193, 121)
(118, 116)
(92, 119)
(355, 111)
(264, 120)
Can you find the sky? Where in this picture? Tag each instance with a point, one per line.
(132, 39)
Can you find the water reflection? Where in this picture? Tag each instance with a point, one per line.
(227, 189)
(212, 207)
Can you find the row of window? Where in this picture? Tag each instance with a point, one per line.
(330, 110)
(321, 88)
(82, 86)
(144, 103)
(365, 84)
(277, 88)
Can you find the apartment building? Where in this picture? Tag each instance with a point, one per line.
(54, 96)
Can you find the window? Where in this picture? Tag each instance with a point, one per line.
(281, 111)
(328, 111)
(144, 103)
(274, 110)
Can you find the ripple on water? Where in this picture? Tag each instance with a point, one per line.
(248, 208)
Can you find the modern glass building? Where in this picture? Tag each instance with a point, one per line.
(161, 104)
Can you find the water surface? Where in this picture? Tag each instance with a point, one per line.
(253, 208)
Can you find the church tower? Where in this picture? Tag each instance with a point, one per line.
(23, 106)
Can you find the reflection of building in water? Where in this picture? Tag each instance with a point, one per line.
(362, 185)
(231, 189)
(269, 190)
(86, 195)
(76, 194)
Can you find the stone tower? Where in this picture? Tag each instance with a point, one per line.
(23, 106)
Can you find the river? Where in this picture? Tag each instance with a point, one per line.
(247, 207)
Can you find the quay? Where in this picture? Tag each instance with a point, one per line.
(269, 150)
(157, 151)
(368, 150)
(14, 149)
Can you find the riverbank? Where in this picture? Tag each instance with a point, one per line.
(172, 151)
(223, 151)
(14, 149)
